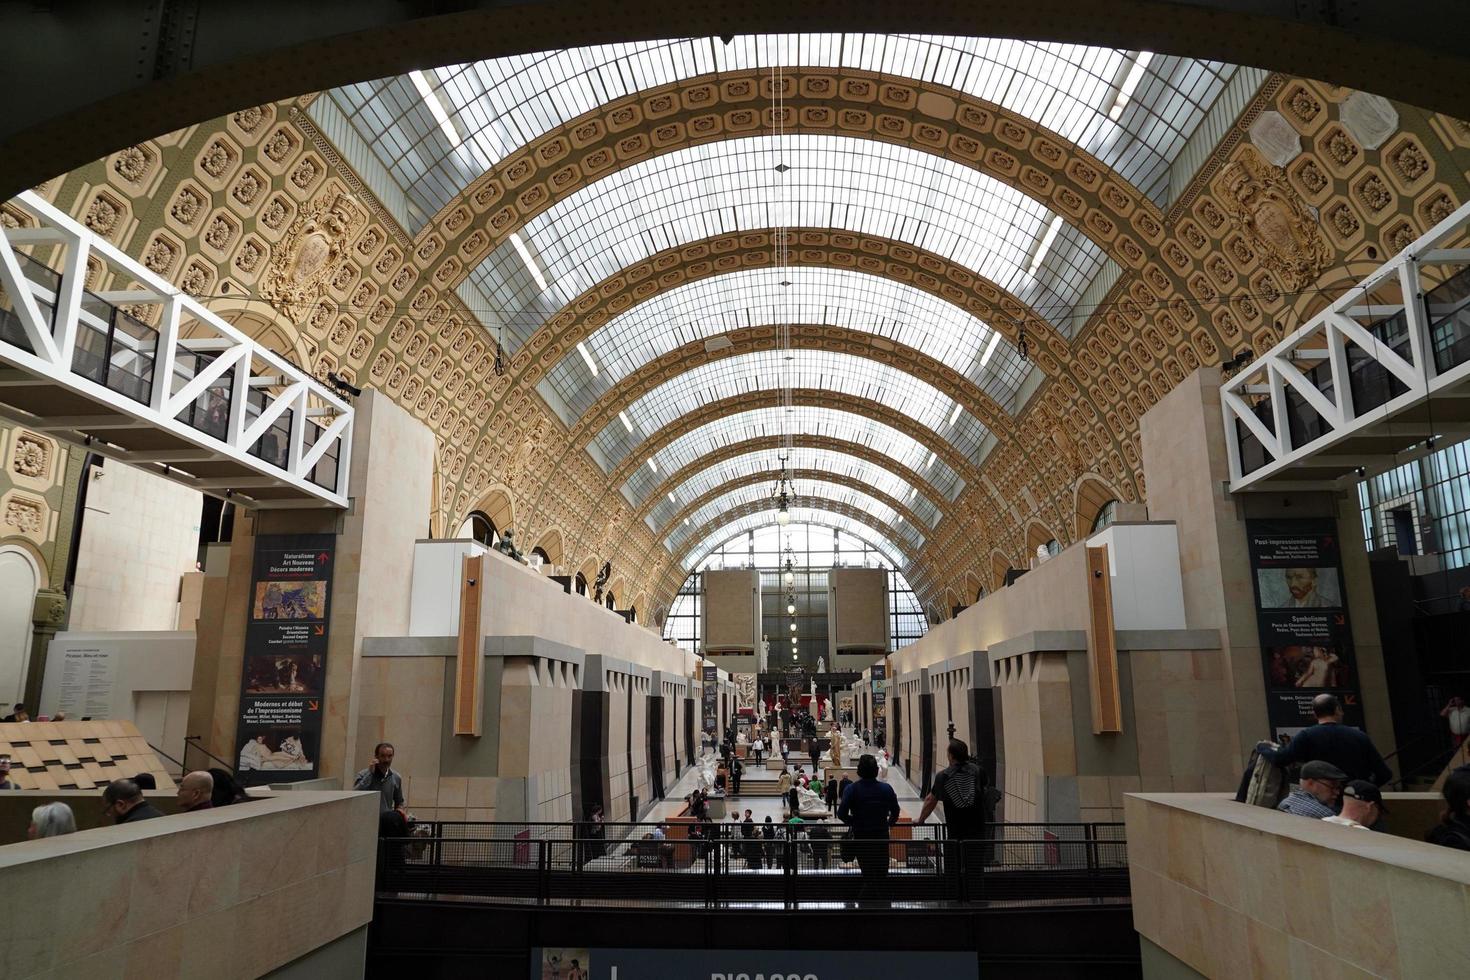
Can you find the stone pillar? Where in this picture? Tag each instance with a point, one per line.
(1187, 473)
(390, 488)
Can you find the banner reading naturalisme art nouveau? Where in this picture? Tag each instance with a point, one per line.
(278, 736)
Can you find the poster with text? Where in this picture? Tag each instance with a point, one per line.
(879, 677)
(711, 704)
(283, 679)
(1302, 619)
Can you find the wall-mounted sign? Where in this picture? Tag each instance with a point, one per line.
(1301, 615)
(581, 963)
(282, 682)
(711, 700)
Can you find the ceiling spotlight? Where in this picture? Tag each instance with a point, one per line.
(1360, 471)
(789, 577)
(791, 608)
(793, 627)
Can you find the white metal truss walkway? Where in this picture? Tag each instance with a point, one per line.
(192, 398)
(1376, 379)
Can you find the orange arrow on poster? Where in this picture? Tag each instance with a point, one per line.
(313, 705)
(319, 630)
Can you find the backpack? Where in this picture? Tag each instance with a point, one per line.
(1264, 783)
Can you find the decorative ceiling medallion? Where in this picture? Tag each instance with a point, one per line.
(1274, 219)
(305, 257)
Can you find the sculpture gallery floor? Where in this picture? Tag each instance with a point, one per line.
(766, 804)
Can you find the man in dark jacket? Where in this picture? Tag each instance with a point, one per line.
(1348, 748)
(123, 802)
(869, 808)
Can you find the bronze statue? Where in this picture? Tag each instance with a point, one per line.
(507, 545)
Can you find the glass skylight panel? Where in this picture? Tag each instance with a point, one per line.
(834, 182)
(710, 513)
(820, 370)
(503, 104)
(766, 464)
(816, 295)
(799, 515)
(804, 419)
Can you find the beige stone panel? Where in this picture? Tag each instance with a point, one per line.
(1268, 950)
(1310, 962)
(1429, 923)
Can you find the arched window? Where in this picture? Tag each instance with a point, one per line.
(633, 614)
(1106, 514)
(479, 527)
(581, 584)
(541, 553)
(1052, 548)
(611, 601)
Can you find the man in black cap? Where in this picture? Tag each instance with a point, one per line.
(1348, 748)
(1362, 806)
(1317, 795)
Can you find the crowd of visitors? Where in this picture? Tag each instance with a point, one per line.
(1342, 775)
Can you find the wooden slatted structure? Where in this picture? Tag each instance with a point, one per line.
(57, 755)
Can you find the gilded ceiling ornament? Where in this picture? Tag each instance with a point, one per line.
(304, 258)
(1274, 219)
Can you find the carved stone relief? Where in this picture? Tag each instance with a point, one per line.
(302, 261)
(1274, 220)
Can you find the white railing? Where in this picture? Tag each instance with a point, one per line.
(246, 422)
(1352, 374)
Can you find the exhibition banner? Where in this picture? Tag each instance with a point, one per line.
(879, 676)
(1306, 639)
(278, 735)
(711, 699)
(581, 963)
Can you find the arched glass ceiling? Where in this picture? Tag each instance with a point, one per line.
(857, 301)
(810, 492)
(802, 458)
(760, 423)
(483, 111)
(885, 546)
(768, 370)
(863, 186)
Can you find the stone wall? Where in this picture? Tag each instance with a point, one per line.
(230, 893)
(1228, 890)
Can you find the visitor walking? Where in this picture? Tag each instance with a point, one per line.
(869, 808)
(961, 788)
(758, 749)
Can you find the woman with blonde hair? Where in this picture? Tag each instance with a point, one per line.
(52, 820)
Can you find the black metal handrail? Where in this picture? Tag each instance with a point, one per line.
(1055, 863)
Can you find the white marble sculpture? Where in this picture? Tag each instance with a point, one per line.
(821, 665)
(809, 804)
(704, 776)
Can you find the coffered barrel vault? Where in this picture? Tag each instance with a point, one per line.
(927, 203)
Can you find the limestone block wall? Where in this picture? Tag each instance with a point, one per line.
(1036, 702)
(535, 741)
(230, 893)
(402, 701)
(618, 758)
(639, 689)
(518, 602)
(140, 535)
(1225, 890)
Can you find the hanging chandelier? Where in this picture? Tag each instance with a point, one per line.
(783, 494)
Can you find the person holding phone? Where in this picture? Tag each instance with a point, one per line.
(5, 782)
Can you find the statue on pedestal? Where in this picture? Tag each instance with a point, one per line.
(507, 545)
(765, 652)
